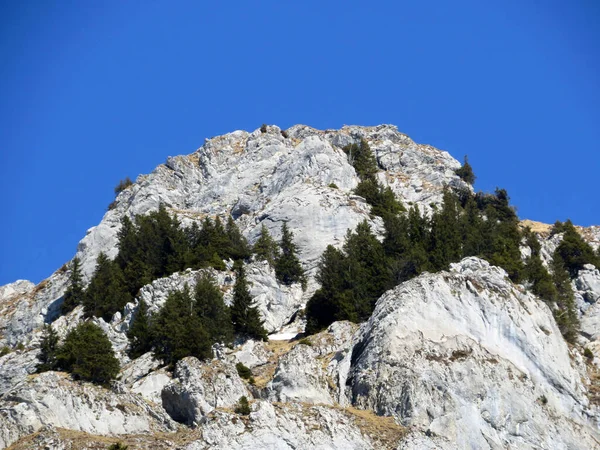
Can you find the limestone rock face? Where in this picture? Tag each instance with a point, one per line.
(587, 296)
(52, 399)
(287, 427)
(14, 368)
(467, 356)
(198, 388)
(310, 372)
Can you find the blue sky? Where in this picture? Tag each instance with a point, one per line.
(92, 92)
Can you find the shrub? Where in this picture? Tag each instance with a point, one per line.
(263, 128)
(543, 400)
(243, 407)
(118, 446)
(285, 134)
(123, 184)
(243, 371)
(333, 186)
(305, 341)
(112, 205)
(588, 353)
(4, 351)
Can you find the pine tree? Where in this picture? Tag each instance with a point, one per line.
(237, 247)
(574, 251)
(178, 331)
(139, 333)
(536, 273)
(75, 293)
(287, 265)
(48, 350)
(362, 159)
(212, 310)
(88, 354)
(445, 238)
(466, 172)
(244, 314)
(565, 312)
(107, 292)
(265, 248)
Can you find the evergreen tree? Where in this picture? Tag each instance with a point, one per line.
(362, 159)
(330, 302)
(565, 312)
(178, 331)
(287, 265)
(535, 273)
(466, 172)
(574, 251)
(237, 245)
(213, 312)
(265, 248)
(75, 293)
(244, 314)
(48, 350)
(88, 355)
(445, 239)
(107, 292)
(382, 200)
(139, 333)
(366, 273)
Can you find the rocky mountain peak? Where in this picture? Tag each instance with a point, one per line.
(460, 358)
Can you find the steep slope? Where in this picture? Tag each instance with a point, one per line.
(457, 359)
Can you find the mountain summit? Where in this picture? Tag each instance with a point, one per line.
(403, 309)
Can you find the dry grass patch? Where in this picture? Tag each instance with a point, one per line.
(71, 440)
(383, 430)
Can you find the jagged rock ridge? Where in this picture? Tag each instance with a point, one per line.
(457, 359)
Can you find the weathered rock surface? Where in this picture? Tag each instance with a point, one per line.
(200, 387)
(467, 356)
(309, 373)
(51, 398)
(15, 366)
(296, 426)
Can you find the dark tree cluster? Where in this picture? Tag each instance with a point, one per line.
(382, 200)
(189, 323)
(153, 246)
(352, 279)
(86, 353)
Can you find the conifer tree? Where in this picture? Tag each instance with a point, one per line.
(244, 314)
(265, 248)
(287, 265)
(574, 251)
(107, 292)
(178, 331)
(48, 350)
(237, 247)
(535, 273)
(88, 355)
(139, 333)
(466, 172)
(75, 293)
(362, 159)
(213, 311)
(445, 238)
(565, 312)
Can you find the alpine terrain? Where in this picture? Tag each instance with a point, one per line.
(300, 289)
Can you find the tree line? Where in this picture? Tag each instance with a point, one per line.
(156, 245)
(466, 224)
(189, 323)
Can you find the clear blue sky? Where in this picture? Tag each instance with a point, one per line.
(91, 92)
